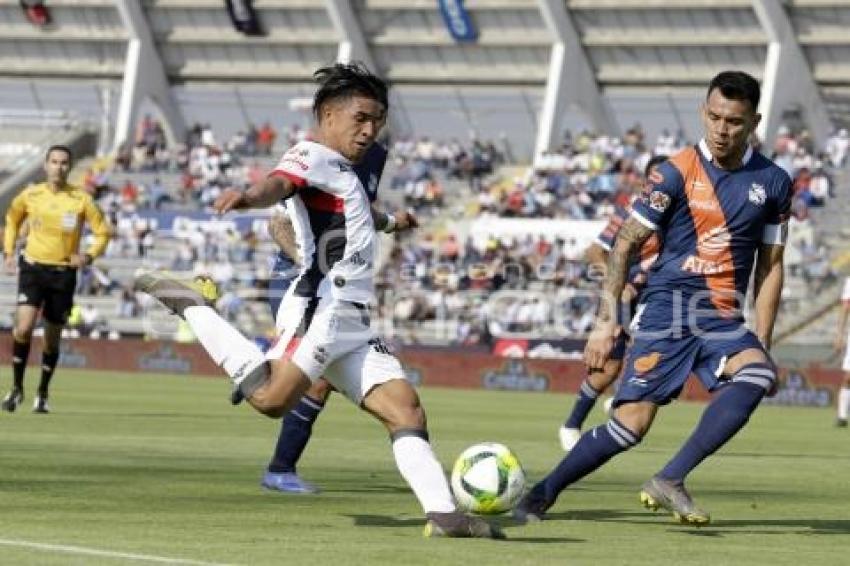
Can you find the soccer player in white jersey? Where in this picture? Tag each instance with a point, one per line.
(841, 344)
(327, 305)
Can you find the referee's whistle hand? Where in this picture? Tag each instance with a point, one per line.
(10, 264)
(228, 200)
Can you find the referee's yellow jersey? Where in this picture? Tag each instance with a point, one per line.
(56, 221)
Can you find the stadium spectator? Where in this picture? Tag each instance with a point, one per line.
(837, 147)
(266, 138)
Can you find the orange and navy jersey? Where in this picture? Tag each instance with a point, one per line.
(711, 222)
(646, 256)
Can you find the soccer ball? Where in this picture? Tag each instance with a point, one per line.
(487, 479)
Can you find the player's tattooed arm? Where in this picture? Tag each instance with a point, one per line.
(283, 234)
(767, 289)
(631, 237)
(262, 195)
(597, 258)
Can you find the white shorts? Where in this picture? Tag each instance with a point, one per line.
(339, 345)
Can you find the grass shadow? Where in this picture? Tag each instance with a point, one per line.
(387, 521)
(717, 528)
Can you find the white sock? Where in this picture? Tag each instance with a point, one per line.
(228, 348)
(843, 402)
(423, 473)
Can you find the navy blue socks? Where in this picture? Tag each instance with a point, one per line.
(727, 413)
(594, 448)
(586, 400)
(295, 434)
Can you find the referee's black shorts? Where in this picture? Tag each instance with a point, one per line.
(48, 286)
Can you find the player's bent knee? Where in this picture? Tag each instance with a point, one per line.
(636, 417)
(404, 417)
(747, 357)
(760, 374)
(23, 332)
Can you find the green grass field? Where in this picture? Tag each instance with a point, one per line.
(163, 467)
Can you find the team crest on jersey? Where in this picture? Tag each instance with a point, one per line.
(757, 194)
(659, 201)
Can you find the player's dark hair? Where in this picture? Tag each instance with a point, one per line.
(343, 80)
(736, 85)
(59, 147)
(655, 161)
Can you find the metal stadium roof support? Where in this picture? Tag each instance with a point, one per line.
(144, 76)
(352, 43)
(788, 80)
(354, 47)
(571, 81)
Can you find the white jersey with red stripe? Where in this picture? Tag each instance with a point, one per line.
(333, 224)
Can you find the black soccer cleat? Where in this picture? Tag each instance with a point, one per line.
(13, 398)
(458, 525)
(841, 423)
(40, 405)
(530, 509)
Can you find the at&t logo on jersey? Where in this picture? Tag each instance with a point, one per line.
(757, 194)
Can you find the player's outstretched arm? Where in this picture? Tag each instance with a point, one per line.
(262, 195)
(600, 342)
(767, 288)
(397, 222)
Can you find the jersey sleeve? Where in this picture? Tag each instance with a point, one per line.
(301, 165)
(663, 190)
(99, 226)
(14, 218)
(779, 209)
(606, 237)
(845, 294)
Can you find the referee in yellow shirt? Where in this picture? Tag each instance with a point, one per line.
(56, 212)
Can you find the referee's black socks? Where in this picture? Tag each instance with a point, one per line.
(20, 355)
(48, 365)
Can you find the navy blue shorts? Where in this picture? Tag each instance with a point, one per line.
(278, 285)
(656, 369)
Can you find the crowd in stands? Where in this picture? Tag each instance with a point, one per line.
(538, 283)
(585, 179)
(541, 283)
